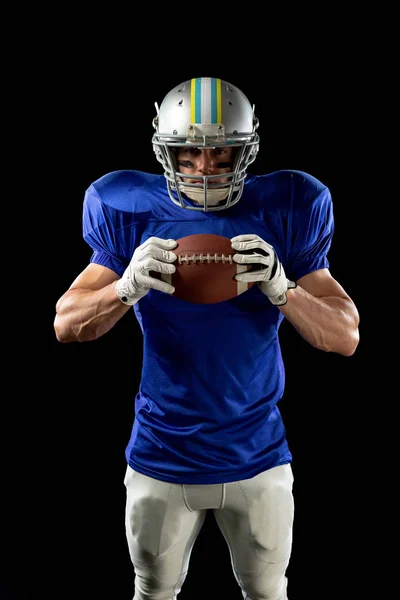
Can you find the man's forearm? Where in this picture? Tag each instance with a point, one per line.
(83, 315)
(328, 323)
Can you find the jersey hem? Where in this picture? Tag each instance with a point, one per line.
(209, 479)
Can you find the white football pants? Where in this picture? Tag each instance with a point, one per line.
(254, 515)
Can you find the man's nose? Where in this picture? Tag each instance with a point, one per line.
(206, 163)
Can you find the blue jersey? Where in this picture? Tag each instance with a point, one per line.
(212, 375)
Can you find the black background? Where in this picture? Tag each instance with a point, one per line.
(68, 427)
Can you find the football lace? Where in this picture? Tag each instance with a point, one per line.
(202, 258)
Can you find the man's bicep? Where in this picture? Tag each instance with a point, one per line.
(321, 284)
(94, 277)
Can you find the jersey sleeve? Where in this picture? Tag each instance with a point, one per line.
(312, 231)
(101, 227)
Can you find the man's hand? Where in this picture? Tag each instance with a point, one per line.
(153, 255)
(267, 269)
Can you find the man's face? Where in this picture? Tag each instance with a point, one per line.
(205, 161)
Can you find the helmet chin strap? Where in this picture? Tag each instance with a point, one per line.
(214, 197)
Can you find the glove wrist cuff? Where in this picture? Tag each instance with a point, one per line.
(281, 299)
(124, 293)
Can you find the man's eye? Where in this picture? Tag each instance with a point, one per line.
(192, 151)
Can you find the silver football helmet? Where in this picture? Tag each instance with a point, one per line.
(205, 113)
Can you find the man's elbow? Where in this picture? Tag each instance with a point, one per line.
(66, 335)
(351, 343)
(63, 334)
(347, 345)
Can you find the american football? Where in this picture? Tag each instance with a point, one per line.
(205, 272)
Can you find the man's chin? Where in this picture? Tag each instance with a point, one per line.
(214, 197)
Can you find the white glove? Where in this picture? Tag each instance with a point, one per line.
(269, 272)
(153, 255)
